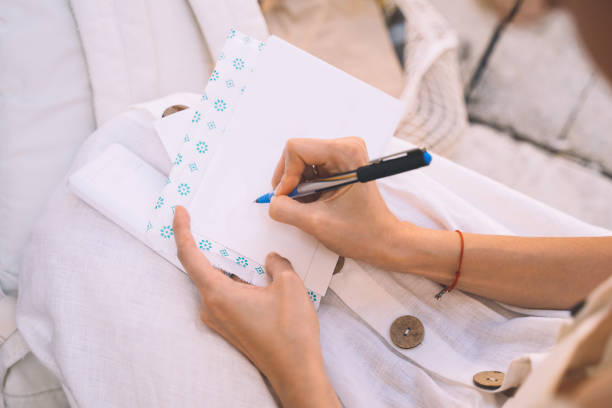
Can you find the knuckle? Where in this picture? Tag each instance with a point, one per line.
(291, 144)
(358, 149)
(352, 149)
(358, 141)
(214, 302)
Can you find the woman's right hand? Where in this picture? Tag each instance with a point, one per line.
(353, 221)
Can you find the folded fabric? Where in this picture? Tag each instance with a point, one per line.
(125, 314)
(137, 51)
(43, 86)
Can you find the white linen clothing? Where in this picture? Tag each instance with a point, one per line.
(583, 352)
(136, 51)
(24, 381)
(119, 325)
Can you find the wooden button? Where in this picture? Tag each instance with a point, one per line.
(173, 109)
(489, 380)
(407, 332)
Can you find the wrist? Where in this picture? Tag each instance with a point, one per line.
(423, 251)
(303, 383)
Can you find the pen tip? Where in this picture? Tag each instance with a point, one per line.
(264, 199)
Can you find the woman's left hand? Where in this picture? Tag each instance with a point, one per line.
(275, 326)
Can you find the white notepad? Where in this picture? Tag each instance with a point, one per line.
(225, 151)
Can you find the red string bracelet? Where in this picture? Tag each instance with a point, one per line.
(457, 274)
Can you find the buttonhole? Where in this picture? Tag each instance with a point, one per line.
(407, 331)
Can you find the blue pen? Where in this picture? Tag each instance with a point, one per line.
(382, 167)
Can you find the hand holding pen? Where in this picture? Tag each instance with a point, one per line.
(378, 168)
(353, 222)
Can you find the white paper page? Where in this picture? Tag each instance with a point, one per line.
(171, 128)
(121, 186)
(292, 94)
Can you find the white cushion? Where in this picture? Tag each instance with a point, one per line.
(45, 114)
(137, 51)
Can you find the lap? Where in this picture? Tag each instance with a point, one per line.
(95, 300)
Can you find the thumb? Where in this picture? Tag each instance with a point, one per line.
(276, 265)
(289, 211)
(193, 260)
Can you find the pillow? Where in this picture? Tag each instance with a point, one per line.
(140, 50)
(45, 114)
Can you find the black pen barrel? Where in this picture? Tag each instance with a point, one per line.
(410, 161)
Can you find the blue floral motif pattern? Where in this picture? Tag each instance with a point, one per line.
(225, 84)
(220, 105)
(166, 232)
(205, 245)
(214, 75)
(202, 147)
(168, 181)
(238, 63)
(242, 261)
(183, 189)
(313, 296)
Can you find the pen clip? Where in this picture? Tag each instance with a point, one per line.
(394, 155)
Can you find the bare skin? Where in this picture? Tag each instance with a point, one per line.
(283, 342)
(355, 222)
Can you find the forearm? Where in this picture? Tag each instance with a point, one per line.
(553, 273)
